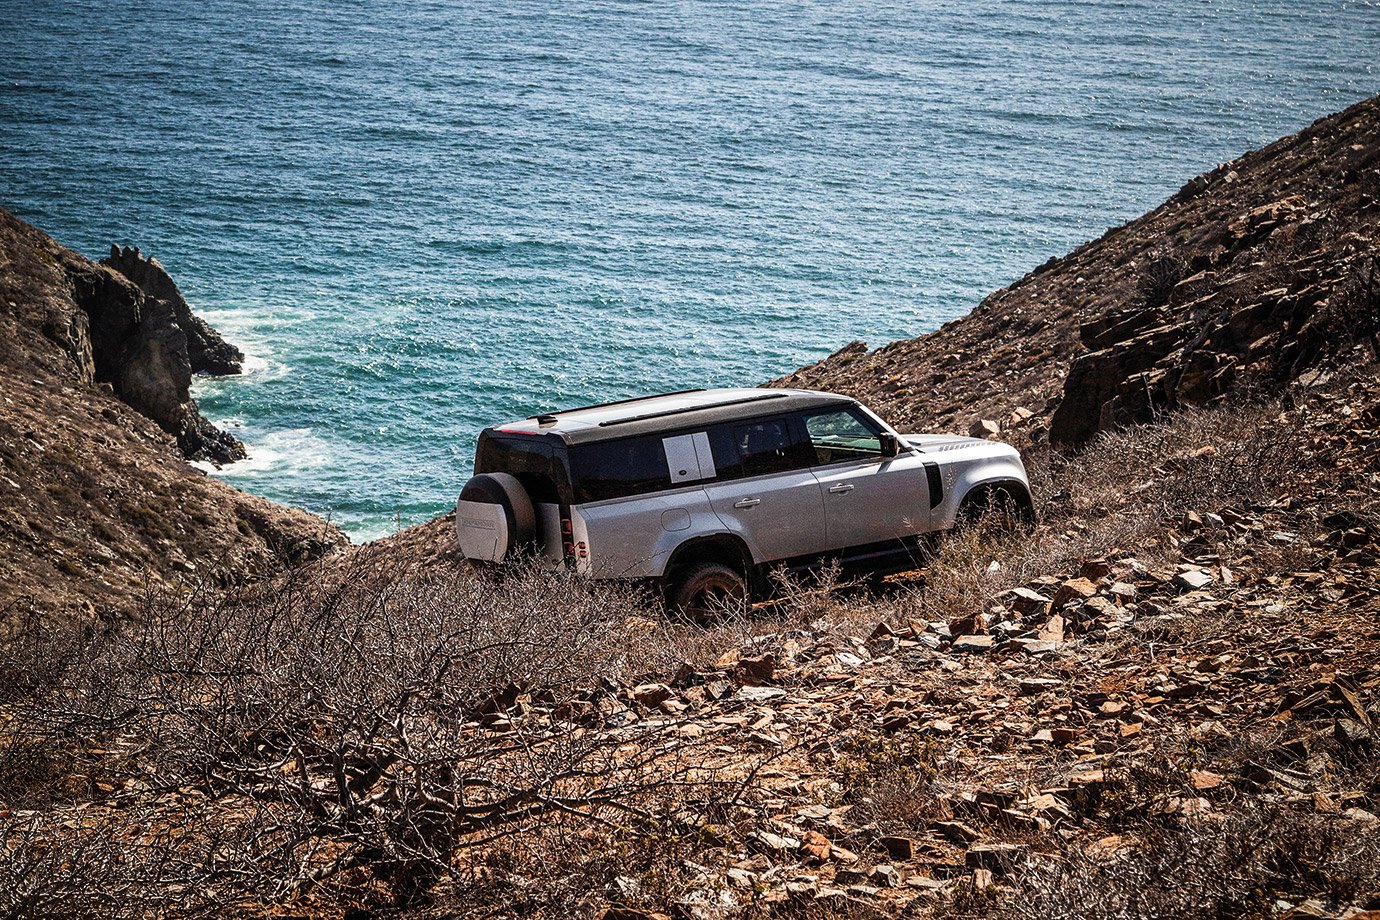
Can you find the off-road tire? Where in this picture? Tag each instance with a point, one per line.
(707, 592)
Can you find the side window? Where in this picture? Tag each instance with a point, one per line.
(723, 445)
(614, 469)
(766, 446)
(842, 434)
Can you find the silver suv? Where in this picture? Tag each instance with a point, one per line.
(707, 491)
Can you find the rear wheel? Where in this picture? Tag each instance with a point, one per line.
(708, 591)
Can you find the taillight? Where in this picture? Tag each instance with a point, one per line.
(567, 537)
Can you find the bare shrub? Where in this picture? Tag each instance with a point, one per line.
(890, 781)
(1195, 460)
(353, 731)
(1162, 274)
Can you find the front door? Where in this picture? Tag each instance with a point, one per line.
(870, 502)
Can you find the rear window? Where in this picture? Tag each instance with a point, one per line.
(535, 461)
(615, 469)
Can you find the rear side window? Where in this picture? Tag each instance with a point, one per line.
(767, 445)
(615, 469)
(534, 461)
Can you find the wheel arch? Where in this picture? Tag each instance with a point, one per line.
(991, 491)
(725, 548)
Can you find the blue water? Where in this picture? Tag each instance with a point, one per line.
(419, 218)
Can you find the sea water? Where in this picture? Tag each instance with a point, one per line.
(419, 218)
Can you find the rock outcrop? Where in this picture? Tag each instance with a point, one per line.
(207, 352)
(136, 333)
(1253, 272)
(96, 499)
(1206, 324)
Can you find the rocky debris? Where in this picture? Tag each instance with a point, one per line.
(1193, 348)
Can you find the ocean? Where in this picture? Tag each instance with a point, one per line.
(419, 218)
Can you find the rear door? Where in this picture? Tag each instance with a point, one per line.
(870, 502)
(767, 493)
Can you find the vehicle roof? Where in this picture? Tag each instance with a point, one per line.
(650, 414)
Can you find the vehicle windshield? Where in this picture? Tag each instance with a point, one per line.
(537, 461)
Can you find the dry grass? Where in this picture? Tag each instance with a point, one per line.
(1118, 498)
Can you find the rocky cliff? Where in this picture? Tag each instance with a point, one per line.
(96, 423)
(1253, 272)
(131, 329)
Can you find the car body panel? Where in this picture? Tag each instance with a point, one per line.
(634, 537)
(871, 501)
(966, 464)
(783, 517)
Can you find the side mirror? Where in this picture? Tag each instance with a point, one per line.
(891, 445)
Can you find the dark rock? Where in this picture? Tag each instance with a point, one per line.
(997, 858)
(901, 849)
(207, 352)
(757, 671)
(135, 343)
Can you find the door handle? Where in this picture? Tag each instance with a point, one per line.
(841, 487)
(747, 502)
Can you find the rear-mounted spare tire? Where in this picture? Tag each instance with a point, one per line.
(494, 518)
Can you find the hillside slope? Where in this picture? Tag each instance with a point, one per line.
(1252, 271)
(96, 497)
(1163, 701)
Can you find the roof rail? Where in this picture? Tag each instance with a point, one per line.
(683, 409)
(616, 402)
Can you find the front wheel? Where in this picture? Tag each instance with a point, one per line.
(997, 508)
(708, 592)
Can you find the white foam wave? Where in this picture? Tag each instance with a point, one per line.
(243, 327)
(285, 453)
(367, 530)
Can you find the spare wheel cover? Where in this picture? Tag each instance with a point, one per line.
(503, 490)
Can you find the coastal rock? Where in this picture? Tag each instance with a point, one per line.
(96, 502)
(134, 341)
(207, 352)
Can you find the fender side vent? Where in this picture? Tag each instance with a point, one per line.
(936, 484)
